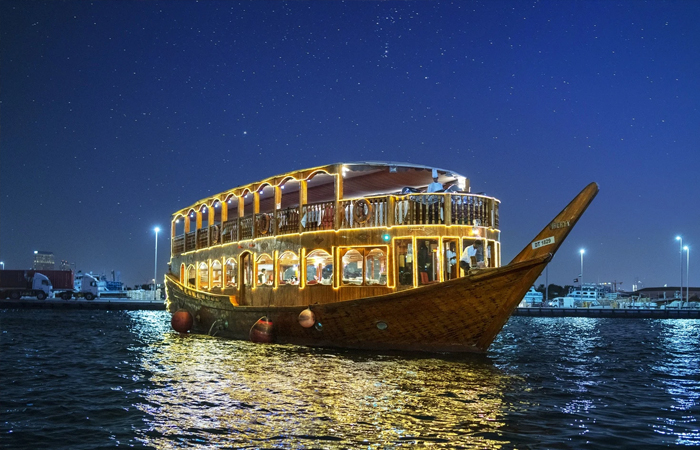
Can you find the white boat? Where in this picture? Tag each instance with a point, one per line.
(532, 298)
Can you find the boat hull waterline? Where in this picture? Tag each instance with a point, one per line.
(459, 315)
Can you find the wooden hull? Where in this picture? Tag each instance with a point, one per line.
(459, 315)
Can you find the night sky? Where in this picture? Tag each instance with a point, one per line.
(115, 114)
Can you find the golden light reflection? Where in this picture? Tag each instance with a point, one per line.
(233, 393)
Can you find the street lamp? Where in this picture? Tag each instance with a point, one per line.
(687, 273)
(680, 251)
(582, 251)
(3, 265)
(155, 267)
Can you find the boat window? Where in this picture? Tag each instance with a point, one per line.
(191, 277)
(203, 276)
(364, 266)
(247, 263)
(404, 261)
(264, 271)
(352, 267)
(216, 274)
(319, 268)
(231, 273)
(375, 264)
(488, 251)
(483, 253)
(449, 258)
(428, 264)
(288, 268)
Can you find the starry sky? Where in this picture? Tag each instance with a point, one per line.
(115, 114)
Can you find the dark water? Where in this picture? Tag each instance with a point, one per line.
(100, 379)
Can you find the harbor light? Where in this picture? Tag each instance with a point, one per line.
(3, 265)
(155, 268)
(680, 251)
(582, 251)
(687, 273)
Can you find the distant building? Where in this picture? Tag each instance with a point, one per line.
(43, 261)
(667, 292)
(64, 265)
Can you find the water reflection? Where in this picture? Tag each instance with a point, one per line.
(230, 393)
(612, 382)
(679, 372)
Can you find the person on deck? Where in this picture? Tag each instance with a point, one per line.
(473, 256)
(451, 257)
(435, 186)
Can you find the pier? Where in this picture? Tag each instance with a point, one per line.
(116, 304)
(126, 304)
(627, 313)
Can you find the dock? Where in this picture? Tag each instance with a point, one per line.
(126, 304)
(115, 304)
(626, 313)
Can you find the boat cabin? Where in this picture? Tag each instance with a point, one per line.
(332, 233)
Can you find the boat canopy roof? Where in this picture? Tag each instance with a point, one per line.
(359, 179)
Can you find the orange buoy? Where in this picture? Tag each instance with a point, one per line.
(261, 331)
(307, 319)
(181, 321)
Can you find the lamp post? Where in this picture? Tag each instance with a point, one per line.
(687, 274)
(582, 251)
(3, 265)
(680, 251)
(155, 267)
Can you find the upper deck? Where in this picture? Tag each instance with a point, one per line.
(332, 197)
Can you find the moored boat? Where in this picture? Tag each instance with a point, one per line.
(354, 255)
(532, 298)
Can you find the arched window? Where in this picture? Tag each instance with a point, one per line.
(364, 266)
(265, 271)
(191, 277)
(247, 268)
(375, 267)
(216, 274)
(352, 267)
(319, 267)
(230, 273)
(203, 276)
(288, 268)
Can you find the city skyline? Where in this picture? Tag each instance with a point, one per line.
(114, 115)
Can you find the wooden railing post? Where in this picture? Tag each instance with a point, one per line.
(390, 213)
(447, 208)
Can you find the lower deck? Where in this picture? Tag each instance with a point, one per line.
(327, 267)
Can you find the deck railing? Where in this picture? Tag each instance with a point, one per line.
(288, 221)
(365, 213)
(420, 209)
(179, 244)
(245, 228)
(202, 238)
(382, 211)
(264, 225)
(190, 242)
(317, 216)
(229, 231)
(474, 210)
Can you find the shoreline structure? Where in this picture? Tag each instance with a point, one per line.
(159, 305)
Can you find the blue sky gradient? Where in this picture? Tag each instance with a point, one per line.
(115, 114)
